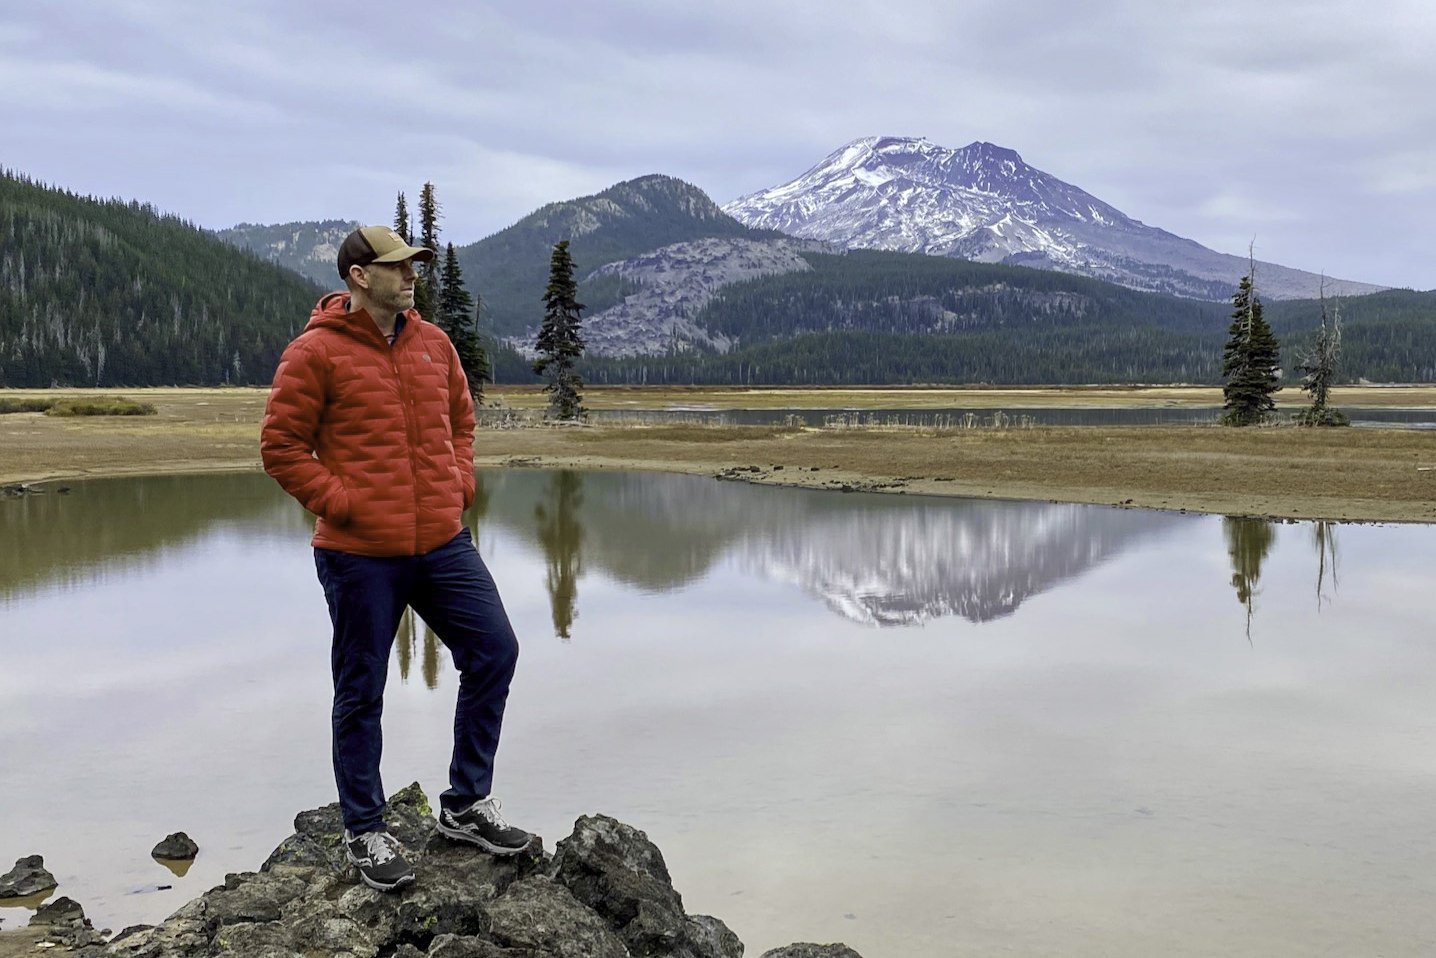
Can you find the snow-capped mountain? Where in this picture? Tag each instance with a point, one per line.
(982, 202)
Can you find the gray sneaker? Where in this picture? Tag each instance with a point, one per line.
(481, 824)
(380, 860)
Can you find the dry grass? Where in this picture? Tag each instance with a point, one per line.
(1371, 474)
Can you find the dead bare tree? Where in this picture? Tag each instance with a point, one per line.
(1319, 367)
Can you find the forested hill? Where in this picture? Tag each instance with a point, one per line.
(875, 317)
(110, 293)
(510, 268)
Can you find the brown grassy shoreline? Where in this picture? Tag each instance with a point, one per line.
(1348, 474)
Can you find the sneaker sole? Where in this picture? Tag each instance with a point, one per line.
(380, 886)
(459, 835)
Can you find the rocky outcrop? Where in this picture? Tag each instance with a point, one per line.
(28, 877)
(68, 930)
(807, 950)
(605, 893)
(178, 846)
(675, 283)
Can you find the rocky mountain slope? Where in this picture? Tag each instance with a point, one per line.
(309, 249)
(673, 284)
(982, 202)
(510, 268)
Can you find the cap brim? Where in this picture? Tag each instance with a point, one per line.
(421, 253)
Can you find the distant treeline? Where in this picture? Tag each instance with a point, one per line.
(871, 317)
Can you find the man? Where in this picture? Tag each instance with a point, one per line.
(370, 426)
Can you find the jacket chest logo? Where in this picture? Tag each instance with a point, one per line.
(427, 359)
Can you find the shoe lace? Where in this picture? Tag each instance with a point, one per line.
(381, 846)
(489, 809)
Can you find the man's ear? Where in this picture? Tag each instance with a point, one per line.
(357, 278)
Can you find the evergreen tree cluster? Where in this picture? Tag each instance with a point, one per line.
(1250, 362)
(110, 293)
(1076, 354)
(440, 295)
(911, 293)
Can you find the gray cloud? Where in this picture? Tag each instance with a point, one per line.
(1305, 125)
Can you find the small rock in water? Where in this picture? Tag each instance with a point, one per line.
(179, 845)
(28, 877)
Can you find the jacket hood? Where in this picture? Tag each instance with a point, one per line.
(332, 312)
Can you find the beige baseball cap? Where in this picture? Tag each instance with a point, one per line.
(377, 244)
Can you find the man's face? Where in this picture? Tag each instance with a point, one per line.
(391, 285)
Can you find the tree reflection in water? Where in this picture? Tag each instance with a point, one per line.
(431, 658)
(1323, 536)
(404, 643)
(561, 535)
(1249, 541)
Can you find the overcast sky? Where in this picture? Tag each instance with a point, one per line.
(1307, 125)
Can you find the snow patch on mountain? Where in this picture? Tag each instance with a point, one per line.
(983, 203)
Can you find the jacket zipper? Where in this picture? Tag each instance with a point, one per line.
(409, 435)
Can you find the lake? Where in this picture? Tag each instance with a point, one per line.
(926, 727)
(985, 417)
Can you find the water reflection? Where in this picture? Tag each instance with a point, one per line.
(405, 642)
(1323, 537)
(1248, 542)
(561, 535)
(958, 417)
(124, 525)
(1099, 730)
(879, 560)
(179, 867)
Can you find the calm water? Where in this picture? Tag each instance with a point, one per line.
(1376, 416)
(925, 727)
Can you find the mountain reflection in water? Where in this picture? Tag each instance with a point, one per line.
(877, 559)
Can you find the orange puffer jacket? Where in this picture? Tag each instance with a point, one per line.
(377, 441)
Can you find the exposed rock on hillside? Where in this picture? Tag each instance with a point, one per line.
(677, 281)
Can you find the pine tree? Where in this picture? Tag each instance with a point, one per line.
(1250, 362)
(426, 290)
(401, 219)
(559, 341)
(456, 317)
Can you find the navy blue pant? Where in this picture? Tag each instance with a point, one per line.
(453, 593)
